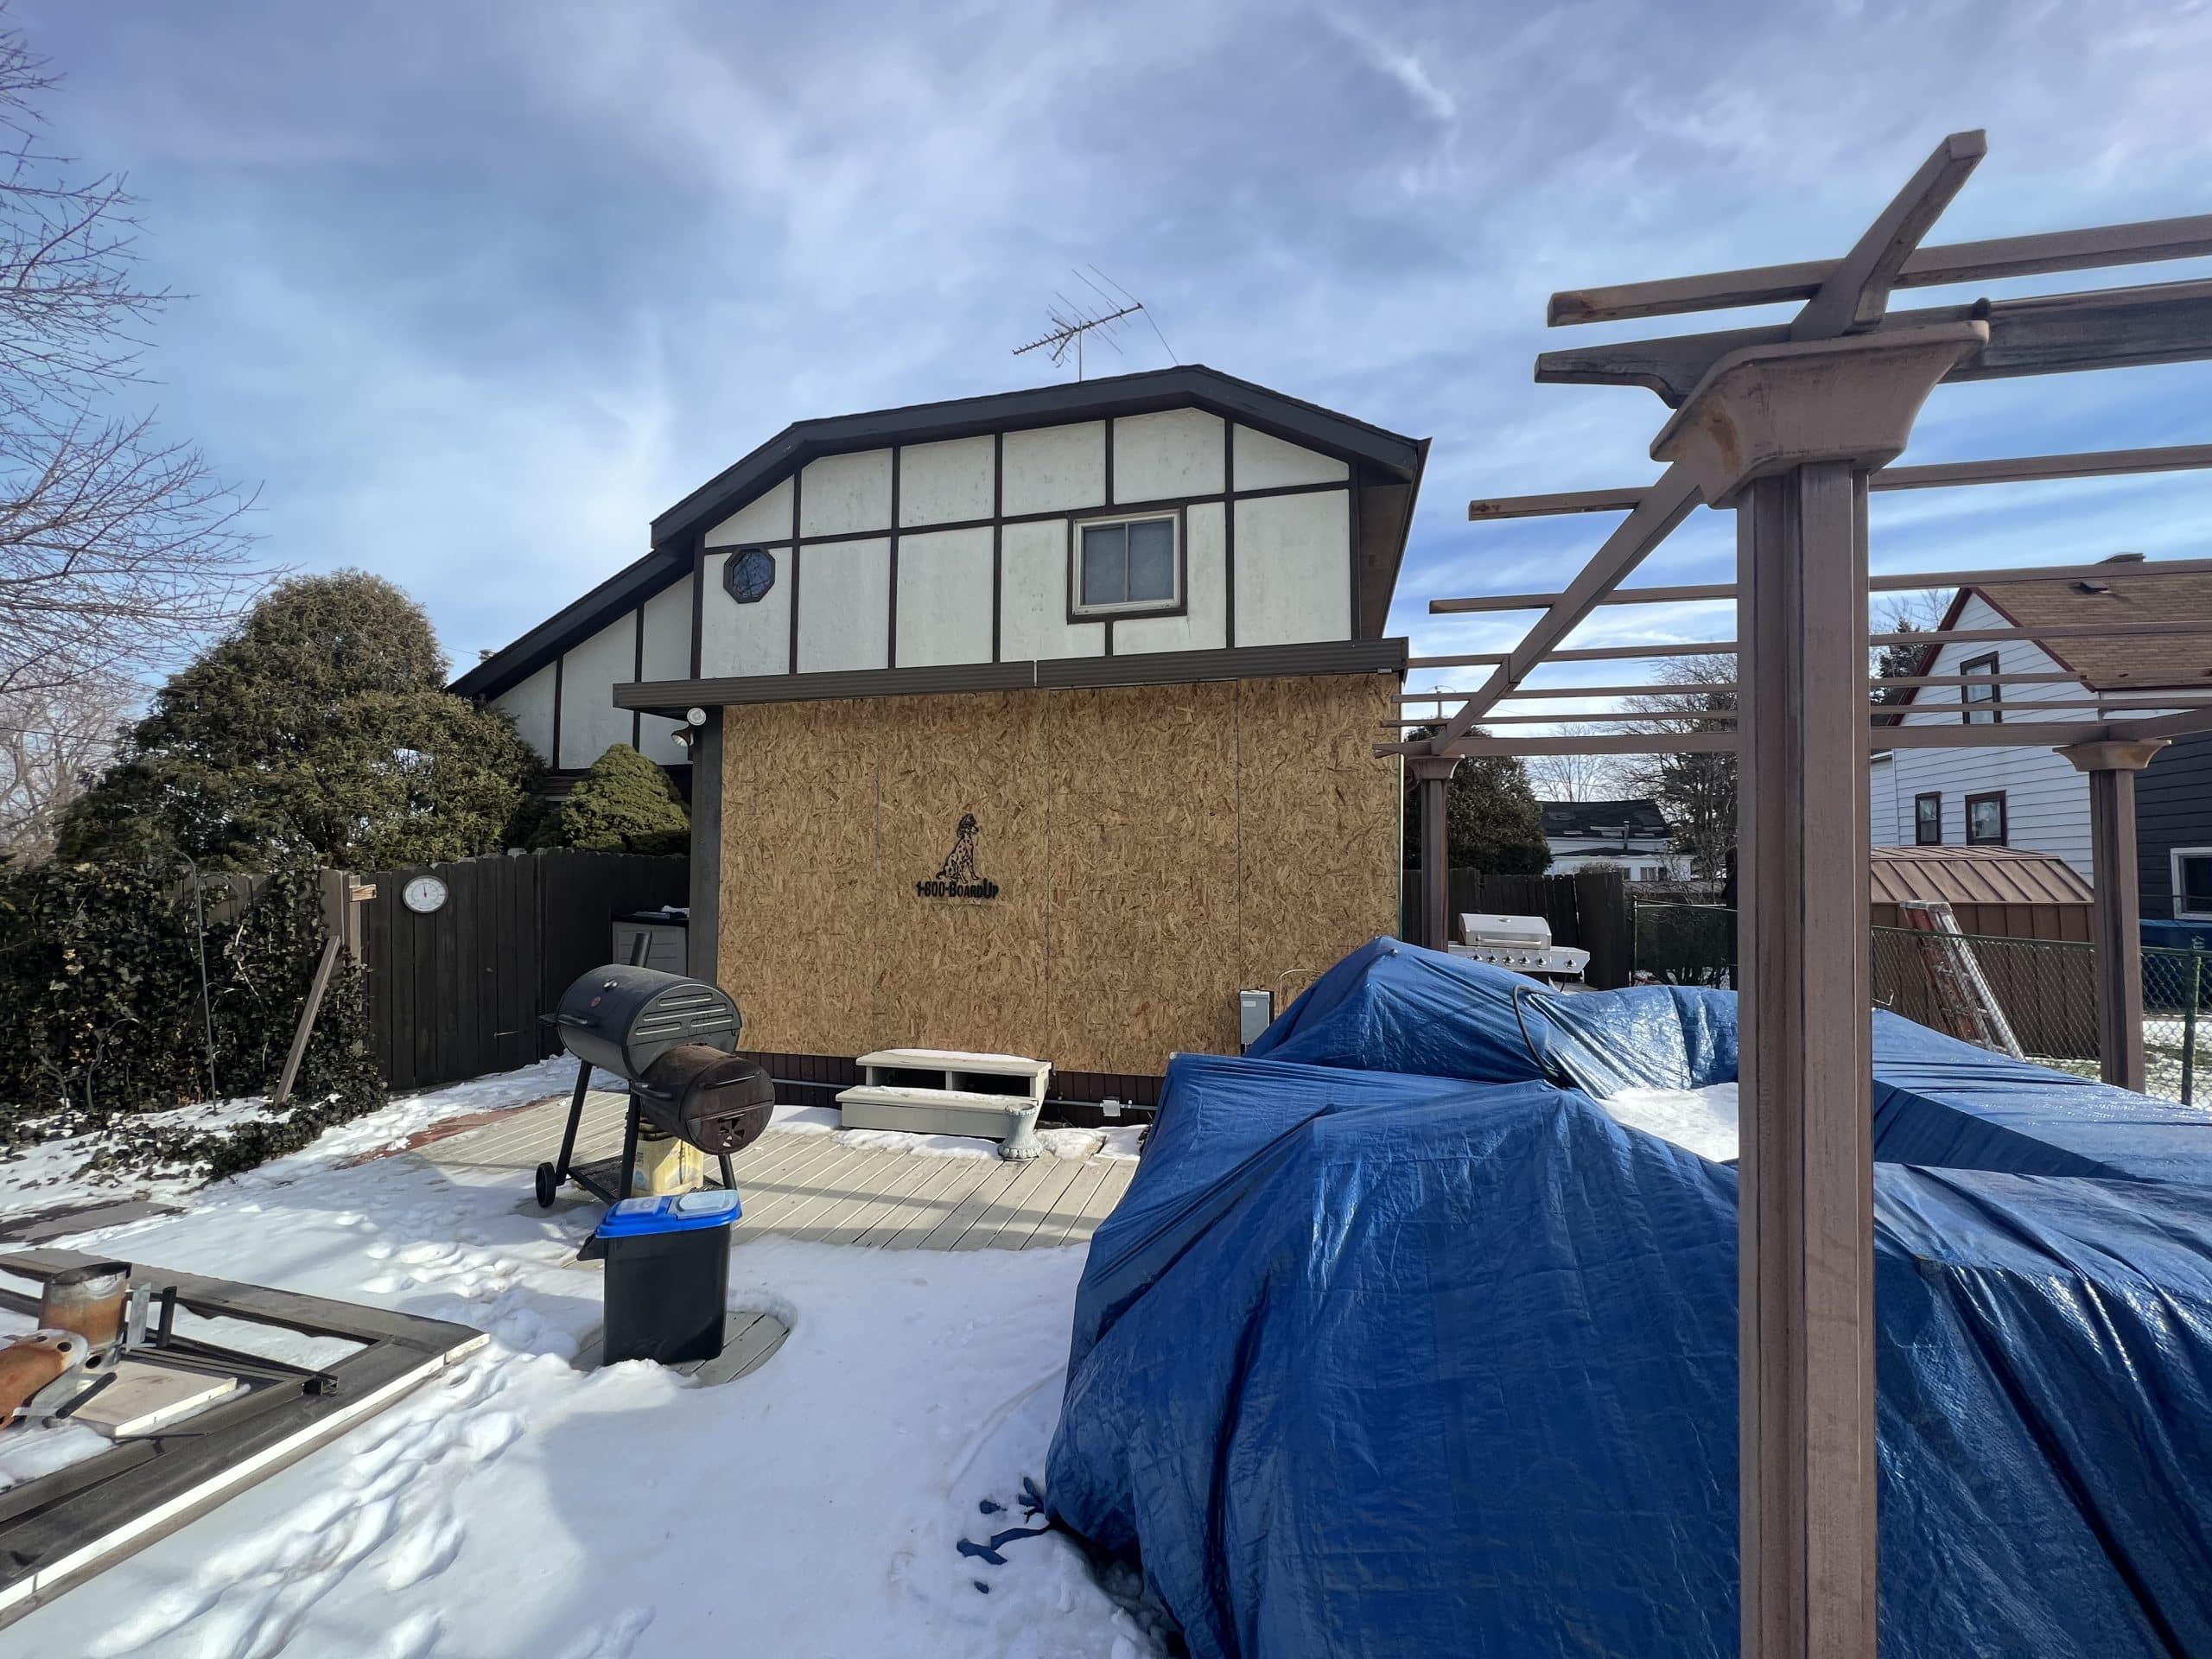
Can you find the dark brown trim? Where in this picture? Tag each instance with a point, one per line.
(798, 546)
(1352, 553)
(638, 721)
(1228, 534)
(2004, 820)
(1919, 840)
(704, 932)
(1991, 705)
(1118, 515)
(559, 661)
(671, 697)
(698, 606)
(891, 591)
(998, 534)
(1045, 515)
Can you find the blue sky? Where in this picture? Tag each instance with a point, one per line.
(476, 289)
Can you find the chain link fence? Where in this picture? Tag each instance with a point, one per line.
(2039, 995)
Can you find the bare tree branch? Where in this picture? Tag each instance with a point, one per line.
(53, 742)
(120, 549)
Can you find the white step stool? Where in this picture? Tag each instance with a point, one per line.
(957, 1107)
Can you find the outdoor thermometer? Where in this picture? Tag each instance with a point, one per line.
(423, 894)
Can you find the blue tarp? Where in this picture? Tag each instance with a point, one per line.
(1430, 1355)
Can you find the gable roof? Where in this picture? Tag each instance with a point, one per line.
(2124, 660)
(1603, 818)
(1386, 472)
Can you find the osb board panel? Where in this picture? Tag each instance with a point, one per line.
(1156, 849)
(799, 793)
(952, 973)
(1143, 943)
(1319, 811)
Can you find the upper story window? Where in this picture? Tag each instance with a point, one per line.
(1981, 701)
(749, 574)
(1126, 565)
(1928, 820)
(1985, 825)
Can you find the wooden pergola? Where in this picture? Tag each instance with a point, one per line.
(1792, 426)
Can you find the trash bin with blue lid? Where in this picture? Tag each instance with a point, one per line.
(667, 1275)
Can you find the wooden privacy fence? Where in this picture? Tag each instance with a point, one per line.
(1589, 909)
(456, 992)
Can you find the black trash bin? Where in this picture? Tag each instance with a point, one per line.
(667, 1275)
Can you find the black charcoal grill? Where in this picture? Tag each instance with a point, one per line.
(674, 1041)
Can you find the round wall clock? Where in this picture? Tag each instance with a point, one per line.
(423, 894)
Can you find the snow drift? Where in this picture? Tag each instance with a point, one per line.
(1402, 1343)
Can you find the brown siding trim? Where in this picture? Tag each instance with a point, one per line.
(638, 721)
(554, 759)
(1146, 668)
(698, 606)
(891, 592)
(795, 547)
(998, 528)
(704, 932)
(1229, 531)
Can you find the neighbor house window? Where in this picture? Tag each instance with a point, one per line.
(2192, 870)
(1985, 820)
(1981, 701)
(1127, 564)
(1928, 820)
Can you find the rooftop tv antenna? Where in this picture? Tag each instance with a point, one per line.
(1071, 320)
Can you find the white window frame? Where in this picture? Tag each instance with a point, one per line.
(2173, 873)
(1175, 601)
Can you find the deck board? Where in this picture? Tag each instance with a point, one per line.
(807, 1184)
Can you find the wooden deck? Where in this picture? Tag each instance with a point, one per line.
(808, 1185)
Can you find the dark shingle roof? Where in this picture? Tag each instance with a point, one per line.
(1603, 819)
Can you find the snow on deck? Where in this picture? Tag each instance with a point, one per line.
(804, 1180)
(521, 1505)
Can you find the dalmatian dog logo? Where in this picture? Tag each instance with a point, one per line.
(959, 876)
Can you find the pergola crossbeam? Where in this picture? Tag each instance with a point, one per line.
(1937, 475)
(1992, 260)
(1891, 583)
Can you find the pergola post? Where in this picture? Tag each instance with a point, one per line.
(1432, 774)
(1787, 435)
(2115, 914)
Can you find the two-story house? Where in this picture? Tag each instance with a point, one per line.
(1040, 722)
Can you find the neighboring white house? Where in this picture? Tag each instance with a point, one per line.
(1632, 835)
(2026, 798)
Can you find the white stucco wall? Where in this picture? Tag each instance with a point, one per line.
(839, 494)
(590, 723)
(1294, 566)
(945, 483)
(668, 657)
(1167, 455)
(844, 602)
(530, 705)
(1033, 587)
(1205, 625)
(767, 518)
(944, 597)
(1055, 468)
(739, 640)
(1266, 463)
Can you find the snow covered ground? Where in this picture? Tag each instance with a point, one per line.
(518, 1506)
(1117, 1143)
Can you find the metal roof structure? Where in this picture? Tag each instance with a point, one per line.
(1974, 875)
(1792, 426)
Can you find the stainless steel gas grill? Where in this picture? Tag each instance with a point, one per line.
(674, 1041)
(1522, 943)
